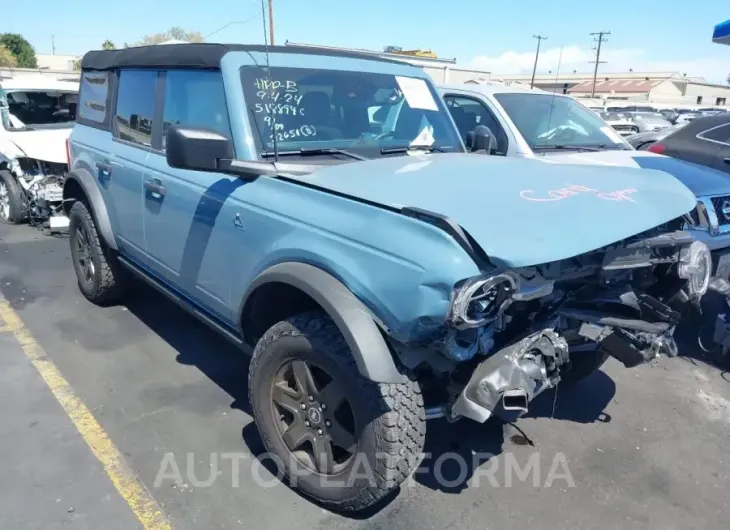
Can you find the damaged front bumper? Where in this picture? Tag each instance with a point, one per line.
(506, 382)
(512, 377)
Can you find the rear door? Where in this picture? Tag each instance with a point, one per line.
(687, 144)
(721, 136)
(125, 170)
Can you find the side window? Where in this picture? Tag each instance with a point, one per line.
(195, 98)
(718, 134)
(469, 112)
(135, 106)
(94, 92)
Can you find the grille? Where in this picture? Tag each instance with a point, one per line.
(717, 204)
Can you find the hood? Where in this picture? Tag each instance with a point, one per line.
(521, 212)
(703, 181)
(48, 145)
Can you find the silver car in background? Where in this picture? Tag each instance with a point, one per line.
(642, 141)
(648, 121)
(620, 123)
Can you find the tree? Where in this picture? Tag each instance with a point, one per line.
(174, 33)
(20, 48)
(77, 65)
(728, 79)
(108, 45)
(7, 59)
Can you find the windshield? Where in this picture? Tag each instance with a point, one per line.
(28, 108)
(544, 120)
(331, 109)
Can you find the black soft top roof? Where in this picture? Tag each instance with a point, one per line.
(196, 55)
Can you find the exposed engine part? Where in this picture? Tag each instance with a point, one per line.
(42, 185)
(695, 266)
(512, 377)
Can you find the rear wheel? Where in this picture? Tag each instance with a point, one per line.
(341, 439)
(12, 208)
(96, 265)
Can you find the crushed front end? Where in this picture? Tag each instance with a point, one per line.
(42, 185)
(511, 334)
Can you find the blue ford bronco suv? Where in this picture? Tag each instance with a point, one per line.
(320, 209)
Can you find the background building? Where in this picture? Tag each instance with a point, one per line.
(56, 62)
(653, 87)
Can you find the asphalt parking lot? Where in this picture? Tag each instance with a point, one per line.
(642, 448)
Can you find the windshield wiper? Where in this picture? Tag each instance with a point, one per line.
(314, 152)
(407, 148)
(569, 147)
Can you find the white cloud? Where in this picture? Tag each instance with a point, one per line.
(581, 59)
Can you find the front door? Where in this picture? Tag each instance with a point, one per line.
(187, 239)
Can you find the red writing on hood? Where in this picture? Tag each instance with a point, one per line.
(577, 189)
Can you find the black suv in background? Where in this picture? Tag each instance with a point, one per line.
(704, 141)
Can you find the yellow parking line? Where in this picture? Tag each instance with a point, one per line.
(128, 485)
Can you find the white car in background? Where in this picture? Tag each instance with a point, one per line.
(37, 114)
(620, 123)
(558, 129)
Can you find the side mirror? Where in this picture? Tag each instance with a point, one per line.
(196, 149)
(481, 140)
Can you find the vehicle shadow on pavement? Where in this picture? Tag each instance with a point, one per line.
(196, 344)
(455, 451)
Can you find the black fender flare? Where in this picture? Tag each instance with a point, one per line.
(356, 323)
(87, 182)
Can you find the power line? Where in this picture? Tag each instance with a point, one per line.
(537, 53)
(245, 21)
(600, 40)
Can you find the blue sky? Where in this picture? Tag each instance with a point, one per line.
(669, 35)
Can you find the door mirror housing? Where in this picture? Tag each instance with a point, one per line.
(196, 149)
(208, 150)
(481, 140)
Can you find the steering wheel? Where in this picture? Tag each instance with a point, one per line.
(565, 135)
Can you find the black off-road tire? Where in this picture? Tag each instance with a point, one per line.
(105, 285)
(391, 442)
(582, 365)
(18, 214)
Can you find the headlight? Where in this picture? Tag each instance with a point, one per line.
(482, 299)
(695, 266)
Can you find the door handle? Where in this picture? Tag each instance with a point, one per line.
(155, 188)
(727, 160)
(105, 169)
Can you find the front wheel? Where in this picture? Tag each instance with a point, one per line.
(339, 438)
(12, 207)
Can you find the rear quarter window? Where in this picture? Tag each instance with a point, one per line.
(93, 97)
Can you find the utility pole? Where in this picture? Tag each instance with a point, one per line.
(600, 40)
(53, 44)
(271, 22)
(537, 53)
